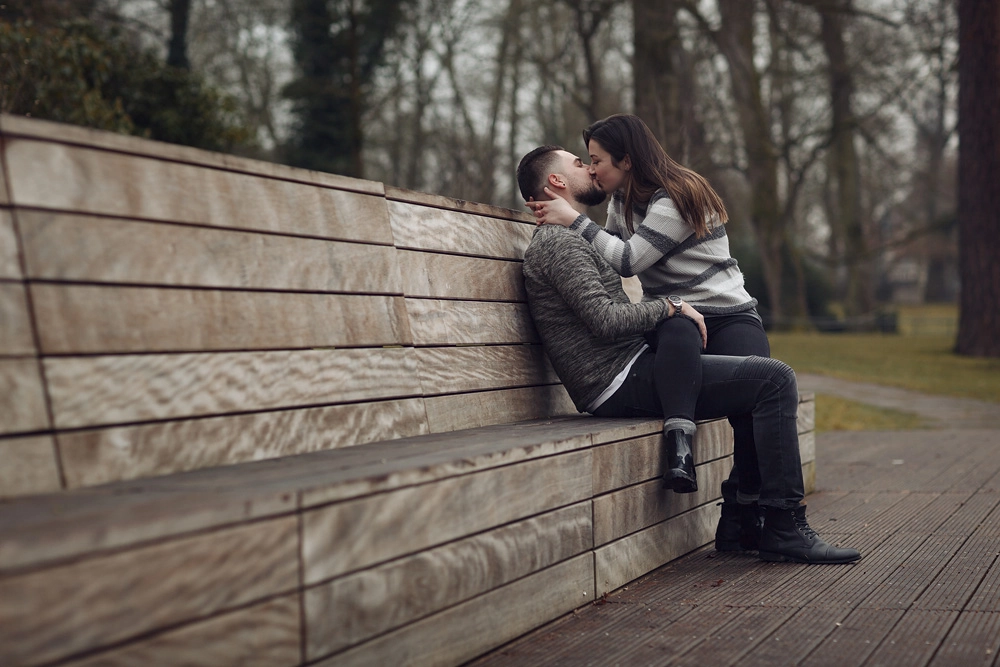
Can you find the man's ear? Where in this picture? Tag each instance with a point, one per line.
(557, 182)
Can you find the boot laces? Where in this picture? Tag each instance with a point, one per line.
(804, 527)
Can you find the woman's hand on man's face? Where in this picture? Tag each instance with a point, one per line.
(555, 211)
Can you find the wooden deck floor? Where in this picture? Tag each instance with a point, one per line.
(924, 509)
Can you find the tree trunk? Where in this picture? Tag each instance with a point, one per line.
(655, 72)
(177, 56)
(978, 176)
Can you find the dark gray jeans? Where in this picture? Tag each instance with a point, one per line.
(734, 386)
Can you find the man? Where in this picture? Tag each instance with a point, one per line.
(593, 336)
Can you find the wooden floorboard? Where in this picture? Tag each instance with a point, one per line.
(924, 509)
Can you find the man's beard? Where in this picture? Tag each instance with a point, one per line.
(591, 196)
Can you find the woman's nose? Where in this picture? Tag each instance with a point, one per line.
(590, 169)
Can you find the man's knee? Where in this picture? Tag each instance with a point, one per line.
(764, 368)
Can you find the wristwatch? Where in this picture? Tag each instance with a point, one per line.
(676, 302)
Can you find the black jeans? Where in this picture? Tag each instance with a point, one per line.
(760, 388)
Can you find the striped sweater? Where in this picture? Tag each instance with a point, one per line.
(667, 257)
(588, 327)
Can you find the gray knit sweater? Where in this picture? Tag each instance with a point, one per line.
(589, 328)
(667, 257)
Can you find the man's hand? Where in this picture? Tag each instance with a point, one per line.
(556, 211)
(699, 319)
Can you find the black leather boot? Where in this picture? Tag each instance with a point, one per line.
(787, 537)
(739, 528)
(679, 474)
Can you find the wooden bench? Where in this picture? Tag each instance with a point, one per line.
(256, 414)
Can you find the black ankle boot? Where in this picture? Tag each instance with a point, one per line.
(679, 474)
(787, 537)
(739, 528)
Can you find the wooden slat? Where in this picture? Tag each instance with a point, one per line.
(448, 370)
(264, 634)
(91, 249)
(352, 609)
(807, 447)
(29, 466)
(807, 413)
(423, 228)
(106, 455)
(627, 559)
(485, 408)
(438, 201)
(637, 507)
(350, 535)
(10, 267)
(435, 322)
(15, 326)
(94, 320)
(436, 275)
(470, 629)
(90, 391)
(19, 126)
(22, 403)
(55, 613)
(83, 180)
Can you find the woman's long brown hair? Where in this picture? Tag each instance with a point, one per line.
(624, 134)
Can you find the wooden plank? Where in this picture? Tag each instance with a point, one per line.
(448, 370)
(806, 413)
(352, 609)
(264, 634)
(439, 201)
(101, 320)
(436, 275)
(106, 455)
(22, 401)
(807, 447)
(19, 126)
(423, 228)
(90, 391)
(485, 408)
(84, 180)
(640, 506)
(461, 633)
(627, 429)
(29, 466)
(347, 536)
(469, 322)
(92, 249)
(16, 337)
(55, 613)
(627, 559)
(10, 265)
(622, 463)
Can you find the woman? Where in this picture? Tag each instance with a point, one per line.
(666, 225)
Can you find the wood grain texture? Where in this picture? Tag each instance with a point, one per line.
(92, 249)
(55, 613)
(809, 477)
(22, 401)
(438, 201)
(83, 180)
(90, 391)
(95, 320)
(636, 507)
(16, 337)
(637, 460)
(106, 455)
(25, 128)
(485, 408)
(347, 536)
(436, 275)
(417, 227)
(627, 429)
(10, 266)
(806, 414)
(449, 370)
(461, 633)
(357, 607)
(29, 466)
(435, 322)
(627, 559)
(264, 634)
(807, 446)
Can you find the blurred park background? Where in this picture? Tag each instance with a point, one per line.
(836, 130)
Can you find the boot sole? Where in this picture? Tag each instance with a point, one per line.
(774, 557)
(680, 481)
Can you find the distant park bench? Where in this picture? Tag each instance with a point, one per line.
(251, 414)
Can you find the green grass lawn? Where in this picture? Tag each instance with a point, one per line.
(921, 363)
(839, 414)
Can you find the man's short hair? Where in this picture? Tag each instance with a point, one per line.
(534, 169)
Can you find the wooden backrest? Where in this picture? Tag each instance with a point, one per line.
(166, 309)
